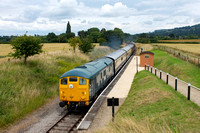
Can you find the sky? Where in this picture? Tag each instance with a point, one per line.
(132, 16)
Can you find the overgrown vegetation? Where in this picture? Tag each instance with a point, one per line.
(153, 106)
(25, 88)
(177, 67)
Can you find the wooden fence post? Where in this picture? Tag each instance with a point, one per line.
(176, 84)
(188, 91)
(167, 78)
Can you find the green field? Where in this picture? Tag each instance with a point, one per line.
(153, 106)
(177, 67)
(188, 48)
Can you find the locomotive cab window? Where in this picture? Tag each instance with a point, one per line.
(64, 81)
(73, 79)
(82, 81)
(146, 56)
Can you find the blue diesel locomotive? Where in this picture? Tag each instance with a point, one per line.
(81, 85)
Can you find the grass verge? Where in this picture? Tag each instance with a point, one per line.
(26, 88)
(153, 106)
(177, 67)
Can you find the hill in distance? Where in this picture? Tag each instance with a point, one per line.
(182, 31)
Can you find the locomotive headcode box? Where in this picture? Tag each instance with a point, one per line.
(110, 101)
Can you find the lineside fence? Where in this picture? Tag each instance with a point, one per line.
(191, 92)
(180, 54)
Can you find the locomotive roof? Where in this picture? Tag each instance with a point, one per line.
(89, 69)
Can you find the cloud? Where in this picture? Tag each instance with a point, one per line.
(117, 10)
(131, 16)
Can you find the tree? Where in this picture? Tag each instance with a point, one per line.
(143, 38)
(74, 42)
(93, 30)
(25, 46)
(82, 34)
(94, 36)
(86, 46)
(62, 38)
(51, 37)
(103, 30)
(102, 41)
(68, 31)
(70, 35)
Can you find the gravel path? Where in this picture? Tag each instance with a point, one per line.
(40, 120)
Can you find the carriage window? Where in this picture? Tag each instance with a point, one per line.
(146, 56)
(82, 81)
(122, 58)
(64, 81)
(104, 73)
(109, 68)
(101, 74)
(73, 79)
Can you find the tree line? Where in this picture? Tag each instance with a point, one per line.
(25, 46)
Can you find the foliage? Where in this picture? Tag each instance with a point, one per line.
(101, 40)
(143, 38)
(26, 88)
(62, 38)
(69, 34)
(86, 46)
(68, 31)
(25, 46)
(74, 42)
(82, 34)
(51, 37)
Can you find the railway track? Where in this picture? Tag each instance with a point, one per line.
(71, 120)
(68, 122)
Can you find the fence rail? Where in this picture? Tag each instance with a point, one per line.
(191, 92)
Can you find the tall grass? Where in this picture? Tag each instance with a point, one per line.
(24, 88)
(153, 106)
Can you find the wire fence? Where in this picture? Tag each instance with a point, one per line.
(180, 54)
(191, 92)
